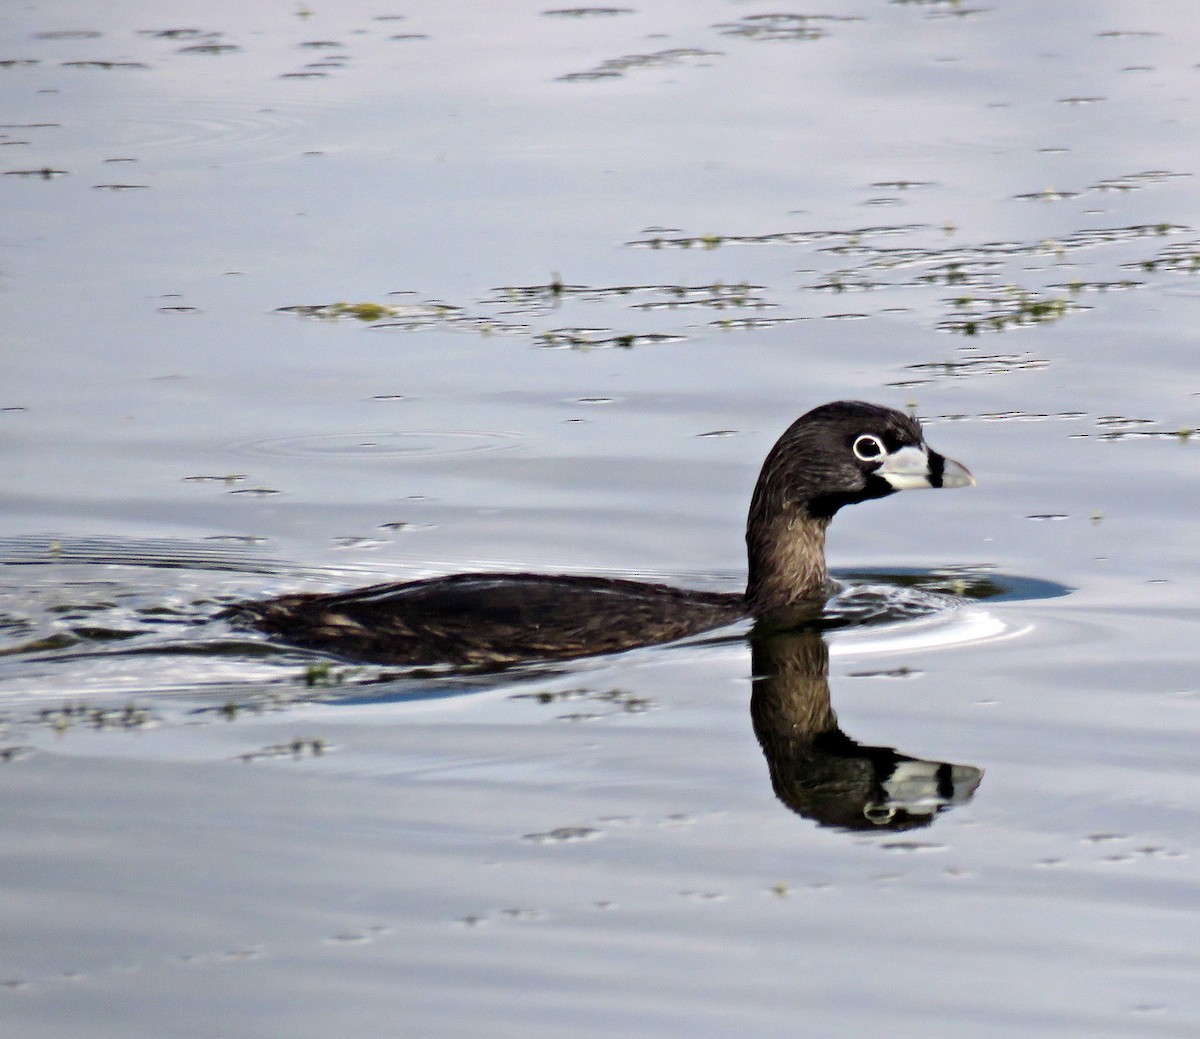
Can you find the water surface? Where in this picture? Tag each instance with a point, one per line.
(307, 298)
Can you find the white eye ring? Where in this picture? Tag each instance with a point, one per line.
(868, 448)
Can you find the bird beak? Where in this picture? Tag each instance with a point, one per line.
(913, 467)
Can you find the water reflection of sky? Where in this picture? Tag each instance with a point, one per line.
(819, 216)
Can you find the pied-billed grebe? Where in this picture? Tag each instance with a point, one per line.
(834, 455)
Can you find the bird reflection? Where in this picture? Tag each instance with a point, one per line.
(820, 772)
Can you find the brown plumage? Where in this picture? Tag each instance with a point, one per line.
(486, 621)
(834, 455)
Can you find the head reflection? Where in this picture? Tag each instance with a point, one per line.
(820, 772)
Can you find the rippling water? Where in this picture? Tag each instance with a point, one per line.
(306, 298)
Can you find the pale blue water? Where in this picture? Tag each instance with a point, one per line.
(621, 252)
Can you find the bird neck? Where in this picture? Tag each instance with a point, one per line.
(786, 556)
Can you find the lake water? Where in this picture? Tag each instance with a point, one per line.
(299, 297)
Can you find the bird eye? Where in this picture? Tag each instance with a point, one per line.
(868, 448)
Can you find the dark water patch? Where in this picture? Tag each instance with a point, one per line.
(178, 34)
(68, 34)
(100, 64)
(904, 185)
(210, 48)
(45, 173)
(587, 12)
(228, 479)
(935, 9)
(565, 835)
(979, 584)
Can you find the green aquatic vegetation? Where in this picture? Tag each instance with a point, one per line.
(541, 298)
(131, 716)
(411, 315)
(622, 700)
(1079, 285)
(359, 311)
(1182, 434)
(365, 311)
(296, 749)
(594, 338)
(1012, 307)
(871, 261)
(988, 364)
(1179, 258)
(983, 302)
(748, 323)
(848, 239)
(1124, 183)
(773, 27)
(616, 67)
(322, 674)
